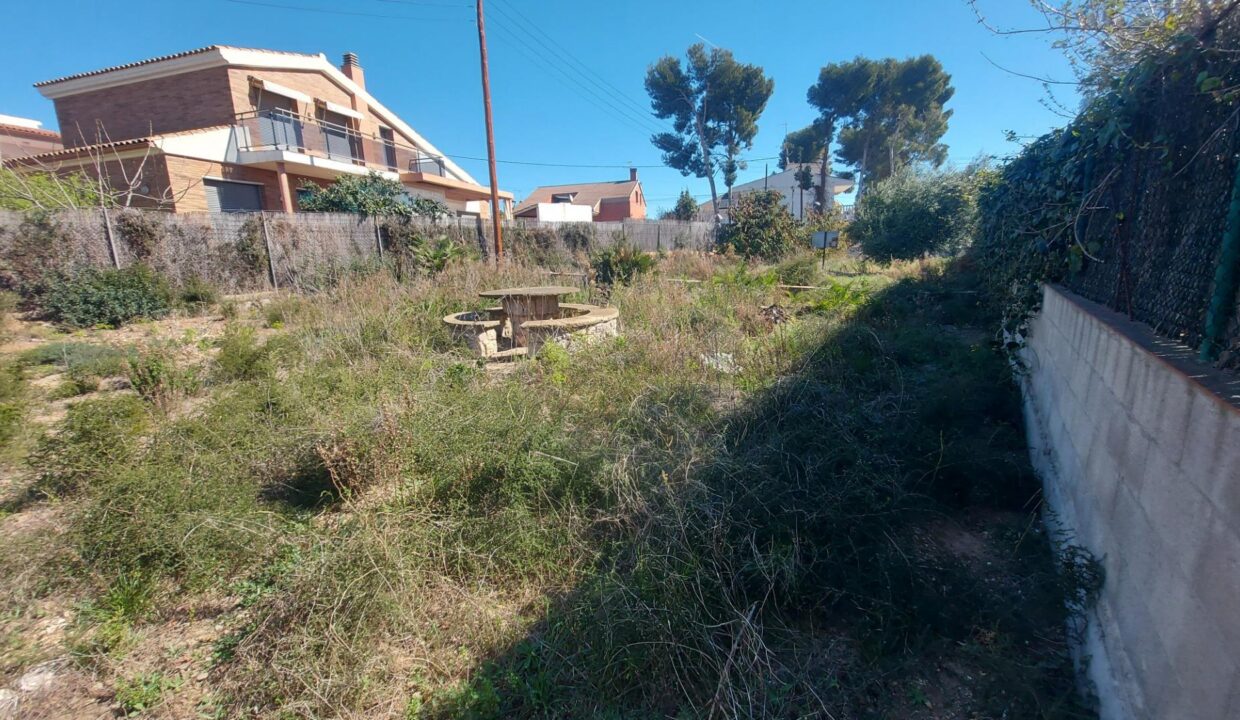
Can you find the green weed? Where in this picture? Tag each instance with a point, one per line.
(140, 693)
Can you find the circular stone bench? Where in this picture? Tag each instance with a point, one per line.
(578, 325)
(481, 331)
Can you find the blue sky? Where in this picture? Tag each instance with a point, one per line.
(566, 76)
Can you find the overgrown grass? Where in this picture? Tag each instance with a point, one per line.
(635, 530)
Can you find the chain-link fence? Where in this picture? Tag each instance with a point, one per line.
(251, 251)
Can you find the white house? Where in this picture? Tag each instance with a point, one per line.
(799, 202)
(559, 212)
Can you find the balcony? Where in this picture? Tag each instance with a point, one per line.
(281, 131)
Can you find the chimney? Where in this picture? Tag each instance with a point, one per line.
(353, 69)
(632, 174)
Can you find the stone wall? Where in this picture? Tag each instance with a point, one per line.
(1139, 449)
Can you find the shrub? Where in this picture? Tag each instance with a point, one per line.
(94, 435)
(112, 298)
(196, 295)
(621, 263)
(240, 356)
(283, 310)
(762, 227)
(89, 358)
(38, 252)
(12, 405)
(537, 246)
(798, 271)
(417, 251)
(913, 214)
(157, 377)
(370, 194)
(143, 692)
(250, 248)
(578, 237)
(140, 232)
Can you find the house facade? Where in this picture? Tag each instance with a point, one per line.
(587, 202)
(798, 202)
(21, 137)
(236, 129)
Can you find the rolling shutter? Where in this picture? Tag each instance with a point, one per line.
(224, 196)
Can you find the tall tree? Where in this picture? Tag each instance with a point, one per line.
(839, 95)
(892, 113)
(714, 103)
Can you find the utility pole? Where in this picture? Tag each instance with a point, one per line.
(486, 103)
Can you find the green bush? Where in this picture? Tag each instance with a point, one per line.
(143, 692)
(762, 227)
(913, 214)
(241, 357)
(620, 263)
(93, 297)
(83, 364)
(157, 377)
(196, 295)
(98, 360)
(95, 435)
(798, 271)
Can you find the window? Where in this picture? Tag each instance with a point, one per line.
(563, 197)
(389, 146)
(230, 197)
(340, 139)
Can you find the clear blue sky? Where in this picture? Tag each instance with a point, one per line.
(559, 94)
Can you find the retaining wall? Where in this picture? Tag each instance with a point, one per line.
(1139, 450)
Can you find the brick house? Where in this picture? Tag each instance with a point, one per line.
(607, 201)
(20, 137)
(235, 129)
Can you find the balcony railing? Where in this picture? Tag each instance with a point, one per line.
(282, 130)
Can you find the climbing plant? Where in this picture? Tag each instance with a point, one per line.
(1128, 204)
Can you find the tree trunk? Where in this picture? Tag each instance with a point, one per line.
(861, 178)
(710, 170)
(824, 196)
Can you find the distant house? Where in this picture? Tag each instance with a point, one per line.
(234, 129)
(799, 202)
(20, 137)
(586, 202)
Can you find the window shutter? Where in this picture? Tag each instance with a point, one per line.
(224, 196)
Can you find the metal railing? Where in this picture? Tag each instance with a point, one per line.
(278, 129)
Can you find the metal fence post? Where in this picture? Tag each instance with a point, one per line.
(271, 258)
(107, 234)
(1226, 280)
(378, 238)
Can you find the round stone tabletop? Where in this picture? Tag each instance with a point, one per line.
(539, 291)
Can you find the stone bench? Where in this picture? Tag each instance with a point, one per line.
(578, 325)
(481, 330)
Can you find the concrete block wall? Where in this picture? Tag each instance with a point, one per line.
(1139, 449)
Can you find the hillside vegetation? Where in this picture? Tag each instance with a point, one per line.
(751, 504)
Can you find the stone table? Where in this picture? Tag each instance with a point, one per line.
(528, 303)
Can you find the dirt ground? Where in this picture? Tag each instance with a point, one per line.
(43, 672)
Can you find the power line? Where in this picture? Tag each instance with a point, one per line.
(425, 3)
(616, 166)
(555, 47)
(326, 11)
(638, 122)
(641, 122)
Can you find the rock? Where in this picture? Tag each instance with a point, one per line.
(38, 677)
(8, 704)
(721, 362)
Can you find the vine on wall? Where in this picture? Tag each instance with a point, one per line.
(1128, 204)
